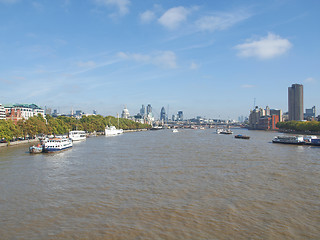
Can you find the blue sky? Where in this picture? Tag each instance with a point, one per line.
(207, 58)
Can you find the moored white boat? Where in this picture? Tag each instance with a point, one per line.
(77, 135)
(224, 131)
(112, 131)
(156, 128)
(175, 130)
(298, 140)
(57, 144)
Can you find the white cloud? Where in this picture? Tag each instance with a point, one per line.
(247, 86)
(264, 48)
(165, 59)
(89, 64)
(173, 17)
(310, 80)
(122, 5)
(147, 16)
(194, 66)
(220, 21)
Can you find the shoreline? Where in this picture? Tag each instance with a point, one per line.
(37, 140)
(19, 142)
(287, 131)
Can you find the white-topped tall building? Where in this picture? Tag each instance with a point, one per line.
(2, 112)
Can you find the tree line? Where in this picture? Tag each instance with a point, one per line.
(308, 126)
(62, 125)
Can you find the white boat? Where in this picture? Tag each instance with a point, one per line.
(112, 131)
(224, 131)
(289, 140)
(57, 144)
(175, 130)
(156, 128)
(77, 135)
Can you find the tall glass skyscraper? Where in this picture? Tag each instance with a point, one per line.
(163, 114)
(295, 102)
(180, 115)
(149, 109)
(143, 111)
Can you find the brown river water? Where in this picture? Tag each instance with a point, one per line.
(193, 184)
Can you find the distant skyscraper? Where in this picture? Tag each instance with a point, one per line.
(48, 111)
(149, 109)
(310, 112)
(78, 113)
(267, 111)
(163, 114)
(143, 111)
(94, 112)
(180, 116)
(295, 102)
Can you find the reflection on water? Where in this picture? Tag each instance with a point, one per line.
(194, 184)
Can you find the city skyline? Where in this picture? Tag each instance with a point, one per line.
(208, 59)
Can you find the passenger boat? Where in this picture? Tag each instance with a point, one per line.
(156, 128)
(112, 131)
(57, 144)
(312, 140)
(36, 149)
(242, 136)
(175, 130)
(77, 135)
(298, 140)
(224, 131)
(315, 142)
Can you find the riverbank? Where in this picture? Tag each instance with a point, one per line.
(286, 131)
(135, 130)
(15, 143)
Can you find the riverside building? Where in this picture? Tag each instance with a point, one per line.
(2, 112)
(17, 112)
(264, 119)
(295, 102)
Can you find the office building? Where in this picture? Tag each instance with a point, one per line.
(295, 102)
(16, 112)
(163, 114)
(143, 110)
(259, 119)
(2, 112)
(149, 109)
(310, 113)
(180, 116)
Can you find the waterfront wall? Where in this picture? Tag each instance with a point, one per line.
(19, 142)
(135, 130)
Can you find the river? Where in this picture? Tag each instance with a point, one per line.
(193, 184)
